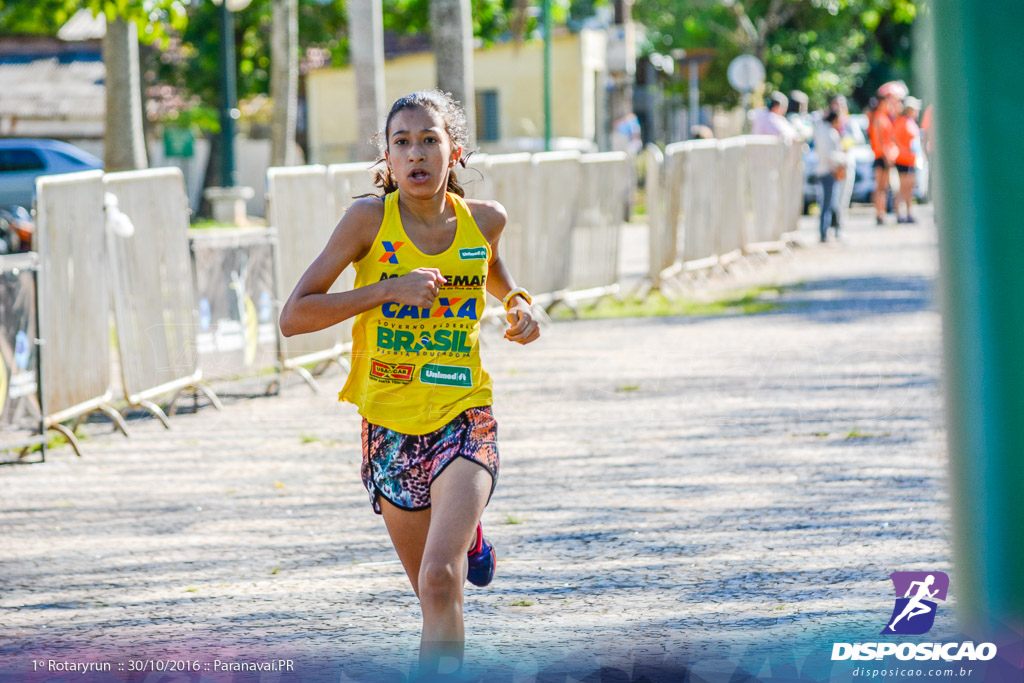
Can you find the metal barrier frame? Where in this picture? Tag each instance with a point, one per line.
(302, 234)
(163, 200)
(68, 233)
(30, 261)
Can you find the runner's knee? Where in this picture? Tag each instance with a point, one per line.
(439, 581)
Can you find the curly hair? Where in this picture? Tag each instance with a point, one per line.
(454, 118)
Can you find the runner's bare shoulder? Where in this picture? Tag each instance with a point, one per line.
(358, 228)
(490, 217)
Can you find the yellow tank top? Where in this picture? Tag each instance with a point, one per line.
(415, 369)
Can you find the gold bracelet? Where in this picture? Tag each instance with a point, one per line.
(517, 291)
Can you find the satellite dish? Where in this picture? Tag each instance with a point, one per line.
(746, 73)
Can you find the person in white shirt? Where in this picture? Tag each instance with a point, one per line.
(772, 120)
(831, 162)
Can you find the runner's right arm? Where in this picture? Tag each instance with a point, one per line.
(311, 307)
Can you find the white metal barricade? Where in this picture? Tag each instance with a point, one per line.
(21, 404)
(301, 207)
(654, 198)
(74, 295)
(792, 187)
(555, 186)
(731, 196)
(600, 210)
(155, 306)
(348, 181)
(764, 179)
(238, 332)
(475, 177)
(507, 180)
(674, 170)
(700, 188)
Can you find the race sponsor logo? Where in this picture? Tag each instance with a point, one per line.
(474, 254)
(446, 375)
(915, 608)
(391, 373)
(451, 281)
(390, 251)
(444, 307)
(439, 340)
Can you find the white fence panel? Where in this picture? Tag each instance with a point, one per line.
(301, 207)
(348, 181)
(475, 177)
(155, 304)
(732, 198)
(764, 177)
(792, 186)
(74, 294)
(599, 214)
(555, 186)
(507, 180)
(700, 188)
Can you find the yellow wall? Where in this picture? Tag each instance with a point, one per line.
(516, 73)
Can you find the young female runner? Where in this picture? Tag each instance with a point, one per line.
(424, 257)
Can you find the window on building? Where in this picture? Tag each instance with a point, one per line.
(488, 127)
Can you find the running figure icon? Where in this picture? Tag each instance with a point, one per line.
(915, 607)
(917, 594)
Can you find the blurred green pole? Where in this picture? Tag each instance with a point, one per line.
(981, 240)
(228, 96)
(546, 9)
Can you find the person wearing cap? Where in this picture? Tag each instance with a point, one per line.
(907, 136)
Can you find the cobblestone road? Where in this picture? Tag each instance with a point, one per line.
(667, 485)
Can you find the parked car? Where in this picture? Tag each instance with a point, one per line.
(22, 160)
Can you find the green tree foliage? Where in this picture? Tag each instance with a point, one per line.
(191, 63)
(818, 46)
(156, 19)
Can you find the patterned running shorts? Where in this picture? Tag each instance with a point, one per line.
(401, 467)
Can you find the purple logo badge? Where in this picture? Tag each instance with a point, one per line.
(916, 593)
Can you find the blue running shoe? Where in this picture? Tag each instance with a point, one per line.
(482, 560)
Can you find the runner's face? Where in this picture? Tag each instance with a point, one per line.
(419, 152)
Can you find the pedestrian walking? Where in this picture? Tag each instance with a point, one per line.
(831, 168)
(424, 259)
(907, 136)
(845, 180)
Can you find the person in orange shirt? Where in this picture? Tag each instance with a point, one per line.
(880, 134)
(907, 137)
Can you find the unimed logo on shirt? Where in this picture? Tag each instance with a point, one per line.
(446, 375)
(477, 253)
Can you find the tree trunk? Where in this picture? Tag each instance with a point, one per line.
(451, 35)
(366, 43)
(284, 81)
(124, 143)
